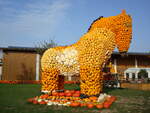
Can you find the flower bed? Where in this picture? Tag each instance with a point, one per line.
(19, 82)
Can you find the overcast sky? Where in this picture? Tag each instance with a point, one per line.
(28, 22)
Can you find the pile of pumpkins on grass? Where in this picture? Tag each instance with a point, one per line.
(72, 98)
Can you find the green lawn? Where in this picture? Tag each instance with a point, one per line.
(13, 100)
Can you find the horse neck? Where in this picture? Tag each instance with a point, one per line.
(97, 39)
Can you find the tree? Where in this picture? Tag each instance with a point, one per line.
(43, 46)
(143, 73)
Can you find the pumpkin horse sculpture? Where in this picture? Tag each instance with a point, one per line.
(88, 55)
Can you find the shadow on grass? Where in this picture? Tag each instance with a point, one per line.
(105, 90)
(109, 90)
(72, 86)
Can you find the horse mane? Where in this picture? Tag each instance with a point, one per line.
(94, 22)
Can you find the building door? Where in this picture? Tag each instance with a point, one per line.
(127, 76)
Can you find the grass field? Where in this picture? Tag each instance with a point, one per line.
(13, 100)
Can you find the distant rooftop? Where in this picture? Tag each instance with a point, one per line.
(136, 70)
(33, 49)
(16, 48)
(133, 53)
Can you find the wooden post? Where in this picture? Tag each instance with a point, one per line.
(136, 63)
(148, 74)
(37, 66)
(70, 78)
(115, 65)
(136, 76)
(124, 75)
(130, 76)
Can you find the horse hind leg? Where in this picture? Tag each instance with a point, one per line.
(51, 80)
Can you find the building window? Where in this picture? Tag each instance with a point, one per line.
(139, 76)
(127, 76)
(133, 76)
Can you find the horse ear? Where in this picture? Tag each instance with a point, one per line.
(123, 11)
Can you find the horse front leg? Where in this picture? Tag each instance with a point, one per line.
(51, 80)
(91, 81)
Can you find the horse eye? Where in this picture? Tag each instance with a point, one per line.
(129, 15)
(127, 24)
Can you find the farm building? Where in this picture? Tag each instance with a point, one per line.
(131, 61)
(23, 63)
(20, 64)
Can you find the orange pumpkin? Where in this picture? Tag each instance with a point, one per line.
(78, 92)
(106, 104)
(90, 105)
(82, 104)
(35, 102)
(68, 94)
(93, 98)
(108, 98)
(76, 95)
(30, 100)
(75, 104)
(72, 91)
(42, 102)
(67, 91)
(44, 96)
(99, 106)
(55, 93)
(61, 94)
(113, 98)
